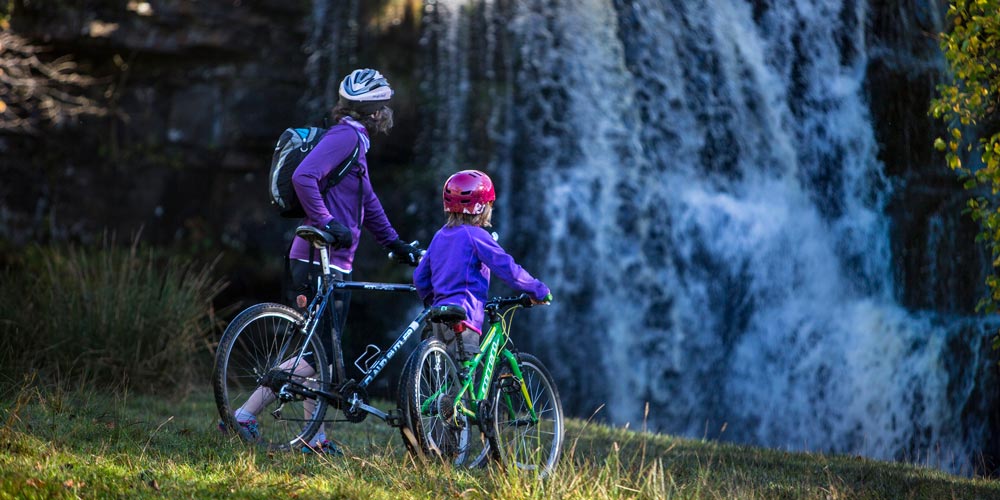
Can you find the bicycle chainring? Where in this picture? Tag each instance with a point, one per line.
(352, 394)
(485, 414)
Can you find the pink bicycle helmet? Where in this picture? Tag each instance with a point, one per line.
(468, 192)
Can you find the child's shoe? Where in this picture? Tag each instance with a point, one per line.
(247, 429)
(324, 447)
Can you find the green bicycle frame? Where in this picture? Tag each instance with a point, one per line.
(492, 348)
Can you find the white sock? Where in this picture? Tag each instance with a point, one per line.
(319, 438)
(243, 415)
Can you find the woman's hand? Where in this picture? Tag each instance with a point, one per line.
(342, 237)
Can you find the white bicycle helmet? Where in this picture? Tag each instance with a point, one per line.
(365, 90)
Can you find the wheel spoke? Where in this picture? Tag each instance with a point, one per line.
(527, 422)
(428, 390)
(258, 345)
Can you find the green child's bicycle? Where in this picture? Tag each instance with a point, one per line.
(508, 394)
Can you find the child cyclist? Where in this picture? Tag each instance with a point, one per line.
(456, 268)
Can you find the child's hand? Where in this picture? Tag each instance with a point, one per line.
(545, 301)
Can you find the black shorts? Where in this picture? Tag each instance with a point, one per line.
(303, 281)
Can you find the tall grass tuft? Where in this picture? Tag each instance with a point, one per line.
(113, 316)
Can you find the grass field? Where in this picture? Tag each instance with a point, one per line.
(79, 444)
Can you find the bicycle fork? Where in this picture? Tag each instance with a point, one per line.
(438, 403)
(514, 383)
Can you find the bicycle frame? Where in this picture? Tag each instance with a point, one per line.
(322, 300)
(317, 307)
(492, 348)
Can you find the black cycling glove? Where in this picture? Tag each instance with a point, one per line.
(342, 237)
(405, 253)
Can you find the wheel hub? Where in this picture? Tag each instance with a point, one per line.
(445, 407)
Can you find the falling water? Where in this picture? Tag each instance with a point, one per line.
(330, 47)
(699, 184)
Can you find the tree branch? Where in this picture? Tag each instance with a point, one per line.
(36, 94)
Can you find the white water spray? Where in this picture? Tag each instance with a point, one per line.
(713, 227)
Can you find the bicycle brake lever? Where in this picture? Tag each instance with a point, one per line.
(525, 300)
(420, 254)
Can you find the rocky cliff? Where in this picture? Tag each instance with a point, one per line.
(116, 116)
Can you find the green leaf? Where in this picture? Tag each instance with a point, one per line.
(972, 51)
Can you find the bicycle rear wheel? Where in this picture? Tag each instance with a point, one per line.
(516, 437)
(255, 360)
(428, 387)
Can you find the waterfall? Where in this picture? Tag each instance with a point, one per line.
(699, 184)
(331, 53)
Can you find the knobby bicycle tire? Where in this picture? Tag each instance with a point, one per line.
(428, 386)
(254, 345)
(406, 432)
(514, 437)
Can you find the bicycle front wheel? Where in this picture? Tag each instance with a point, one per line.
(526, 416)
(428, 388)
(257, 368)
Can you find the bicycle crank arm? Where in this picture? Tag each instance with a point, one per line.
(394, 420)
(309, 392)
(374, 411)
(523, 422)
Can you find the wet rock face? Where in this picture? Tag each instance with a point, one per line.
(191, 97)
(169, 27)
(938, 265)
(195, 92)
(186, 99)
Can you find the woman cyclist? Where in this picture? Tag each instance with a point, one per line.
(362, 108)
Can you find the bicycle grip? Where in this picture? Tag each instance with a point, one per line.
(527, 301)
(392, 255)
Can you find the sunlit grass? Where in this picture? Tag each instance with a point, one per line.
(79, 444)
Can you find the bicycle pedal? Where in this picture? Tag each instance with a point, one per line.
(510, 384)
(394, 418)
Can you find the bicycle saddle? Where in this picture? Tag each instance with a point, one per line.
(317, 237)
(447, 314)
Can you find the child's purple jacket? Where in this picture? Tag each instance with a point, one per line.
(341, 201)
(456, 271)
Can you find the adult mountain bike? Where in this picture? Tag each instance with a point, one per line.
(508, 394)
(265, 348)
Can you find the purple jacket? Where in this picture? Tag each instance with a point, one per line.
(456, 271)
(342, 201)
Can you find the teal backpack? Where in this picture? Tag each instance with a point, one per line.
(292, 147)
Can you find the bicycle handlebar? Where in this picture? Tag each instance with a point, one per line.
(415, 243)
(523, 300)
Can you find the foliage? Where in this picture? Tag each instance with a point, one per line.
(37, 91)
(5, 8)
(968, 104)
(113, 315)
(68, 444)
